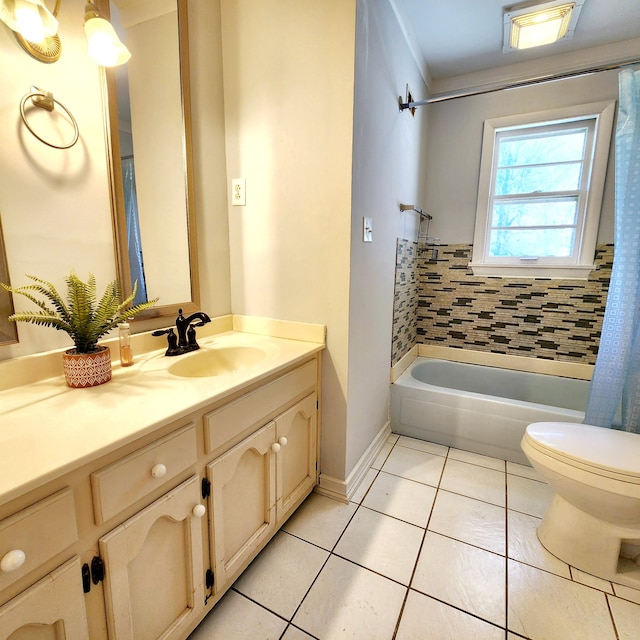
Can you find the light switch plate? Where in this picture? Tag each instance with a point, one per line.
(367, 229)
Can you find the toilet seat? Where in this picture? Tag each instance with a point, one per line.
(605, 452)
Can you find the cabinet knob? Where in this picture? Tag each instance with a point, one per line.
(275, 447)
(158, 470)
(283, 441)
(199, 510)
(12, 560)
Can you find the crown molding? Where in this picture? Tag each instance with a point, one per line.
(573, 61)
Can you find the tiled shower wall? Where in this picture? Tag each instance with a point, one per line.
(441, 302)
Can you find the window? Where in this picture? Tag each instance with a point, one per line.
(540, 192)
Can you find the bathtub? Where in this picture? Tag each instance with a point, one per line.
(478, 408)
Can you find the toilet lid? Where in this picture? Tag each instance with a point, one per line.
(606, 451)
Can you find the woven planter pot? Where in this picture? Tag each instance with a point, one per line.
(87, 369)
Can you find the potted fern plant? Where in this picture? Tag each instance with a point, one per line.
(85, 318)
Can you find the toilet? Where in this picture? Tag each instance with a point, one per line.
(593, 521)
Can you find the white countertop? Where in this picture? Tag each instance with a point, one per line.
(48, 429)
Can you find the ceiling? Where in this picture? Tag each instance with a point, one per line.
(455, 39)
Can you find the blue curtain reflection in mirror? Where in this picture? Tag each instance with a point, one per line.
(136, 260)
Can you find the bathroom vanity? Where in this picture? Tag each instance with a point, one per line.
(127, 510)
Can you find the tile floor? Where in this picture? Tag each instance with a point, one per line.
(437, 544)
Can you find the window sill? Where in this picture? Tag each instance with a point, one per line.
(568, 272)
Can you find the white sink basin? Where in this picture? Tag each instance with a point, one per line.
(217, 361)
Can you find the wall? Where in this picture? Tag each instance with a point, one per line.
(318, 153)
(455, 136)
(389, 165)
(55, 205)
(288, 91)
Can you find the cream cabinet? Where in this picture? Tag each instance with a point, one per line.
(257, 484)
(155, 572)
(141, 543)
(242, 503)
(52, 609)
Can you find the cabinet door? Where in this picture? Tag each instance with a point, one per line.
(52, 609)
(242, 506)
(296, 432)
(154, 568)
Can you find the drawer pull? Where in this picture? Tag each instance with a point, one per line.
(283, 441)
(275, 447)
(12, 560)
(199, 510)
(158, 470)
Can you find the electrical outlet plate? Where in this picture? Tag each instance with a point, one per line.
(238, 192)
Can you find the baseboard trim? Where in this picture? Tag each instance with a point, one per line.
(342, 490)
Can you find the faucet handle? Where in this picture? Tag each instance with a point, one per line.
(172, 341)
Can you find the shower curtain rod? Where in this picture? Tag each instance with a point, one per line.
(514, 85)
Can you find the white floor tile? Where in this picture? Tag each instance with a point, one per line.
(523, 470)
(528, 496)
(468, 520)
(393, 438)
(320, 520)
(475, 458)
(466, 577)
(422, 445)
(364, 485)
(416, 465)
(293, 633)
(401, 498)
(591, 581)
(543, 605)
(626, 616)
(349, 602)
(627, 593)
(382, 456)
(236, 618)
(525, 546)
(424, 618)
(381, 543)
(474, 481)
(281, 575)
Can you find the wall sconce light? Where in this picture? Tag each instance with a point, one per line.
(104, 46)
(530, 25)
(34, 26)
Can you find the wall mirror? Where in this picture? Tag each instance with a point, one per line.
(149, 145)
(8, 330)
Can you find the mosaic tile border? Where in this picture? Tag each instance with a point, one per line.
(405, 307)
(540, 318)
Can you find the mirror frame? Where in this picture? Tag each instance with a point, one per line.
(112, 136)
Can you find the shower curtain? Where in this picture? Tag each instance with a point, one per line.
(134, 242)
(616, 381)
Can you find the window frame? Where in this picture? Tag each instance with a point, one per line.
(590, 203)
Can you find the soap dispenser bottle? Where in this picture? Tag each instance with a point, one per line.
(126, 353)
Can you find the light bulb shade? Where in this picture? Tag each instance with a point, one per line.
(532, 25)
(543, 27)
(29, 18)
(104, 46)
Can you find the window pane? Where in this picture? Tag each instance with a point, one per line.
(543, 213)
(565, 177)
(541, 148)
(532, 242)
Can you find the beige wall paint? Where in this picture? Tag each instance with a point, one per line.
(288, 90)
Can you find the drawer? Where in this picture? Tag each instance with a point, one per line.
(228, 425)
(36, 534)
(123, 483)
